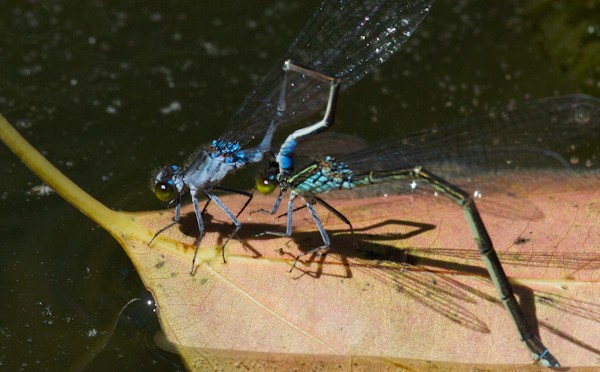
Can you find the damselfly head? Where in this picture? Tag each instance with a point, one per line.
(164, 186)
(265, 185)
(267, 181)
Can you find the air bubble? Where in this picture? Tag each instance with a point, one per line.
(582, 116)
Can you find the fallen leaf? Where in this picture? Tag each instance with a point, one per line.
(414, 294)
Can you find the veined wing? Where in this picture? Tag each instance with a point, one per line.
(554, 132)
(343, 38)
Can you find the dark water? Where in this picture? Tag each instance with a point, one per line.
(110, 91)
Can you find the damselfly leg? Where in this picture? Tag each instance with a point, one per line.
(175, 220)
(248, 195)
(309, 205)
(177, 216)
(237, 224)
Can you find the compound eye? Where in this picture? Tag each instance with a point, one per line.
(265, 185)
(164, 191)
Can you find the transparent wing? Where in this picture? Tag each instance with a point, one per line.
(555, 132)
(343, 38)
(482, 155)
(331, 143)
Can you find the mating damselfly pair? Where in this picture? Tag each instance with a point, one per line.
(341, 43)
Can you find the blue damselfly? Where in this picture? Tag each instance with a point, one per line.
(341, 43)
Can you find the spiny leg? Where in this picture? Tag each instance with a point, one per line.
(539, 352)
(339, 215)
(313, 213)
(329, 207)
(200, 229)
(294, 211)
(324, 235)
(249, 196)
(205, 206)
(326, 243)
(275, 206)
(229, 214)
(288, 230)
(175, 220)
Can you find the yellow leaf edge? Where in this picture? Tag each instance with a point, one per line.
(206, 359)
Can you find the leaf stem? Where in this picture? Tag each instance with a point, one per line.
(112, 221)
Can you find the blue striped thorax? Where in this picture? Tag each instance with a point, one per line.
(228, 150)
(322, 176)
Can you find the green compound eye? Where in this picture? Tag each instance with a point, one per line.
(265, 185)
(164, 191)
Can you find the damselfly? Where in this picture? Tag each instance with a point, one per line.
(548, 128)
(341, 43)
